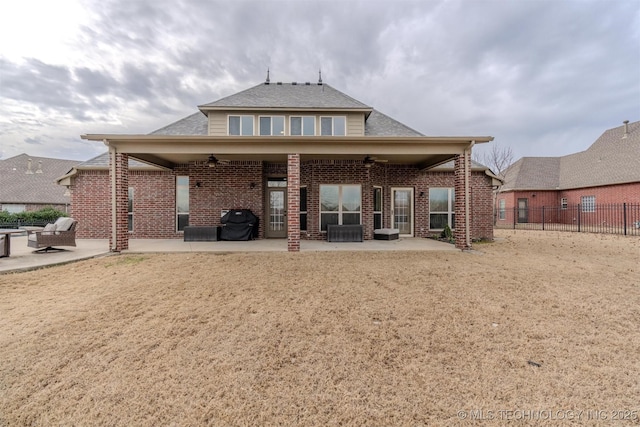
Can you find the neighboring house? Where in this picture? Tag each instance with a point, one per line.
(607, 175)
(28, 183)
(299, 156)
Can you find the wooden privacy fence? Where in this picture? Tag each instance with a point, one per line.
(621, 218)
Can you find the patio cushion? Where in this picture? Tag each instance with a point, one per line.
(49, 229)
(64, 223)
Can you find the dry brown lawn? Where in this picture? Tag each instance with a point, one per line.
(333, 338)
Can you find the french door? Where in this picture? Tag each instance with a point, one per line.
(402, 210)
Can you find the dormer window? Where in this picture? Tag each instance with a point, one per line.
(240, 125)
(272, 125)
(302, 126)
(333, 126)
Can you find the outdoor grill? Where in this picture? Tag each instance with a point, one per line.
(239, 224)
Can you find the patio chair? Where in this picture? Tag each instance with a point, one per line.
(60, 233)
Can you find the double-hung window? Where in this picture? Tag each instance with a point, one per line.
(340, 204)
(182, 202)
(502, 209)
(241, 125)
(333, 126)
(441, 208)
(302, 125)
(272, 125)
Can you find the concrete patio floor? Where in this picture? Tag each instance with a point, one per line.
(24, 258)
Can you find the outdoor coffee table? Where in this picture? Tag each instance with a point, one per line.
(5, 250)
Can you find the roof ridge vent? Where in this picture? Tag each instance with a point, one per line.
(626, 129)
(294, 83)
(307, 83)
(279, 83)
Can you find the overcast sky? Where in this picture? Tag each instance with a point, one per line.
(545, 77)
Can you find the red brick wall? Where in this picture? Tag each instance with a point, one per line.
(229, 186)
(91, 204)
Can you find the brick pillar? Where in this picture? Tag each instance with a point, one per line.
(293, 202)
(122, 201)
(459, 233)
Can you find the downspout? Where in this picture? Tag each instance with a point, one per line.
(114, 231)
(467, 176)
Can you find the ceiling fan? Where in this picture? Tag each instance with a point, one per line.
(212, 161)
(370, 161)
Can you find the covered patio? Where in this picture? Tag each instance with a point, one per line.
(171, 153)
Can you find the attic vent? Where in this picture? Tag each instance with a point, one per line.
(39, 170)
(294, 83)
(626, 129)
(29, 171)
(279, 83)
(307, 83)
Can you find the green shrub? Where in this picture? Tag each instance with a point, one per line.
(43, 215)
(446, 233)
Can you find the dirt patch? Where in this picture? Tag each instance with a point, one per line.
(330, 338)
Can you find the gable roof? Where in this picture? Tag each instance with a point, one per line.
(289, 96)
(612, 159)
(17, 186)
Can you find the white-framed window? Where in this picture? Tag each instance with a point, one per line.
(588, 203)
(182, 202)
(441, 208)
(502, 210)
(13, 208)
(333, 125)
(563, 203)
(241, 125)
(271, 125)
(302, 125)
(130, 209)
(303, 208)
(377, 208)
(340, 204)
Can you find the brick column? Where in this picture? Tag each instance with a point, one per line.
(293, 202)
(459, 233)
(121, 203)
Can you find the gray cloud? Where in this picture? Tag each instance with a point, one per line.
(545, 77)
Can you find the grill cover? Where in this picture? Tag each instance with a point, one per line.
(239, 224)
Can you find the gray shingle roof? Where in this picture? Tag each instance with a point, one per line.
(379, 124)
(102, 162)
(610, 160)
(19, 187)
(288, 95)
(195, 124)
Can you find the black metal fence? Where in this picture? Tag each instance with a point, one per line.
(18, 224)
(622, 218)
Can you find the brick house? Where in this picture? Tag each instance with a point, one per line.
(28, 183)
(299, 156)
(607, 174)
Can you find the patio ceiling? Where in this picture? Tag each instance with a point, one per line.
(169, 151)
